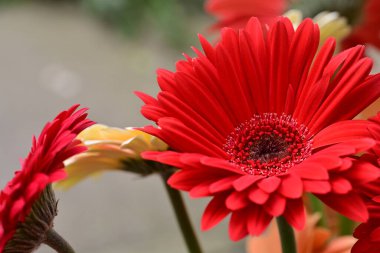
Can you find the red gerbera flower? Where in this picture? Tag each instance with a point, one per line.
(259, 119)
(369, 233)
(43, 165)
(368, 30)
(236, 13)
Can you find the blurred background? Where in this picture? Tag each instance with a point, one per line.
(97, 52)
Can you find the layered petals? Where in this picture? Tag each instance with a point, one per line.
(263, 117)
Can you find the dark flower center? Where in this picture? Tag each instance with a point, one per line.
(268, 144)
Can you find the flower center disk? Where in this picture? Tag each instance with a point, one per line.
(268, 144)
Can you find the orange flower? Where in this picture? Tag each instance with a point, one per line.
(312, 239)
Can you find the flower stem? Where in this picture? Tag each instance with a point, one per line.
(56, 242)
(182, 216)
(288, 242)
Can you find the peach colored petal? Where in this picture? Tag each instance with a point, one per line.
(321, 236)
(267, 242)
(341, 244)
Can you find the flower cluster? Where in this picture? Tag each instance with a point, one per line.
(264, 123)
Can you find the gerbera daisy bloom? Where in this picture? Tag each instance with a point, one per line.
(110, 148)
(43, 166)
(369, 233)
(260, 119)
(367, 30)
(312, 239)
(236, 13)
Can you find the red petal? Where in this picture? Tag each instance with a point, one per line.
(214, 212)
(375, 235)
(222, 185)
(275, 206)
(269, 184)
(295, 213)
(16, 209)
(258, 220)
(220, 164)
(317, 187)
(258, 196)
(350, 205)
(291, 186)
(362, 172)
(353, 129)
(341, 185)
(201, 190)
(245, 181)
(311, 170)
(186, 179)
(237, 200)
(238, 224)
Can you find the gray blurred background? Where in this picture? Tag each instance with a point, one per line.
(52, 56)
(55, 55)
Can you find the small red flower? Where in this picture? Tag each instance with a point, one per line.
(43, 165)
(368, 30)
(236, 13)
(262, 118)
(369, 233)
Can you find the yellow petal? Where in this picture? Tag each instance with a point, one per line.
(108, 147)
(137, 144)
(295, 17)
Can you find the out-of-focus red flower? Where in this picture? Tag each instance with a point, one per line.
(236, 13)
(261, 118)
(43, 165)
(369, 233)
(368, 30)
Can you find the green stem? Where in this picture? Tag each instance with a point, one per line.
(288, 242)
(318, 207)
(346, 225)
(56, 242)
(182, 216)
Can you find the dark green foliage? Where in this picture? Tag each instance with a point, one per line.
(136, 17)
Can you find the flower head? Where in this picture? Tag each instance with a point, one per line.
(368, 233)
(109, 148)
(236, 13)
(43, 166)
(260, 119)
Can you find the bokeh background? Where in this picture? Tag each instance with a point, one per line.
(97, 52)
